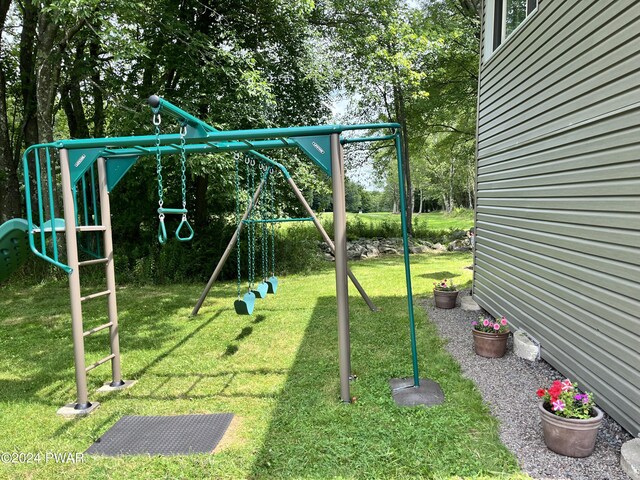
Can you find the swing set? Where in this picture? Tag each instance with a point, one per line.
(85, 172)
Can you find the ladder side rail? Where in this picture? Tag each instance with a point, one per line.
(112, 305)
(82, 394)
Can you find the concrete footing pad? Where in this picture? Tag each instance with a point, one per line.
(70, 411)
(405, 394)
(108, 388)
(630, 458)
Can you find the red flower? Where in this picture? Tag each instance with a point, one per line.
(540, 393)
(556, 389)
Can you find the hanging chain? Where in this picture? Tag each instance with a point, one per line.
(237, 162)
(273, 226)
(263, 237)
(157, 121)
(183, 168)
(252, 229)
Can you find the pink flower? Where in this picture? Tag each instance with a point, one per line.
(503, 321)
(496, 326)
(567, 386)
(485, 322)
(474, 323)
(558, 405)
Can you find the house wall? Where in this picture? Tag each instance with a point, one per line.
(558, 193)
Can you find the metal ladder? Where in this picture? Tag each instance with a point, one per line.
(48, 228)
(77, 299)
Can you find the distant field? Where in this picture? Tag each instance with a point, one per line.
(461, 219)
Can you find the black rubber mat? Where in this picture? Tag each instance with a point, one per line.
(176, 435)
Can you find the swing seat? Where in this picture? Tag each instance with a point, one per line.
(261, 290)
(272, 283)
(244, 306)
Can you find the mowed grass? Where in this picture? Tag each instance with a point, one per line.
(277, 371)
(461, 219)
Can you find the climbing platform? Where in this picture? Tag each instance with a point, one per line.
(14, 246)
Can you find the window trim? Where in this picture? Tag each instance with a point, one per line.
(496, 15)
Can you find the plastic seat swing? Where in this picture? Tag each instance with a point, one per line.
(263, 287)
(181, 235)
(245, 304)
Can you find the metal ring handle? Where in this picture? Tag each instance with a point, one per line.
(162, 232)
(180, 227)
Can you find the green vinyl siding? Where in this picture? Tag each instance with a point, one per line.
(558, 192)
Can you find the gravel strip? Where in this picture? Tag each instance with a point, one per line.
(508, 385)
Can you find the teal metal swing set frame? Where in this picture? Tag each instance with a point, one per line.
(90, 169)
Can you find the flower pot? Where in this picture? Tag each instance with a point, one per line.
(445, 299)
(490, 345)
(573, 437)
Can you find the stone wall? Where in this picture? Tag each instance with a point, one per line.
(374, 247)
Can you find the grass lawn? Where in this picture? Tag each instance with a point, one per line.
(462, 219)
(276, 371)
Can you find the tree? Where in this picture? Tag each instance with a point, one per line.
(381, 53)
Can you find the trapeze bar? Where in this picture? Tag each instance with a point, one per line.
(279, 220)
(172, 211)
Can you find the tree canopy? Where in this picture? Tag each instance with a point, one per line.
(84, 68)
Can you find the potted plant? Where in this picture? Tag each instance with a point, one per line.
(490, 336)
(570, 419)
(445, 294)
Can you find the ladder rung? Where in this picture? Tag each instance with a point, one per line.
(99, 362)
(92, 262)
(97, 329)
(95, 295)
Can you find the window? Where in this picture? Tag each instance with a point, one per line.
(503, 18)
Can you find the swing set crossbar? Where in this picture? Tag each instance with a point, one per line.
(278, 220)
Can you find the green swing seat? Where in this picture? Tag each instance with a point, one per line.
(14, 246)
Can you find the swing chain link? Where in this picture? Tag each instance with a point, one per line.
(237, 167)
(273, 226)
(157, 120)
(252, 229)
(183, 168)
(263, 230)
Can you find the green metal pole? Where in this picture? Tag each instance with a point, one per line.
(407, 266)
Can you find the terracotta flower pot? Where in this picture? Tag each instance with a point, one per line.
(490, 345)
(445, 299)
(573, 437)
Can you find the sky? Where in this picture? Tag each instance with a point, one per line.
(362, 174)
